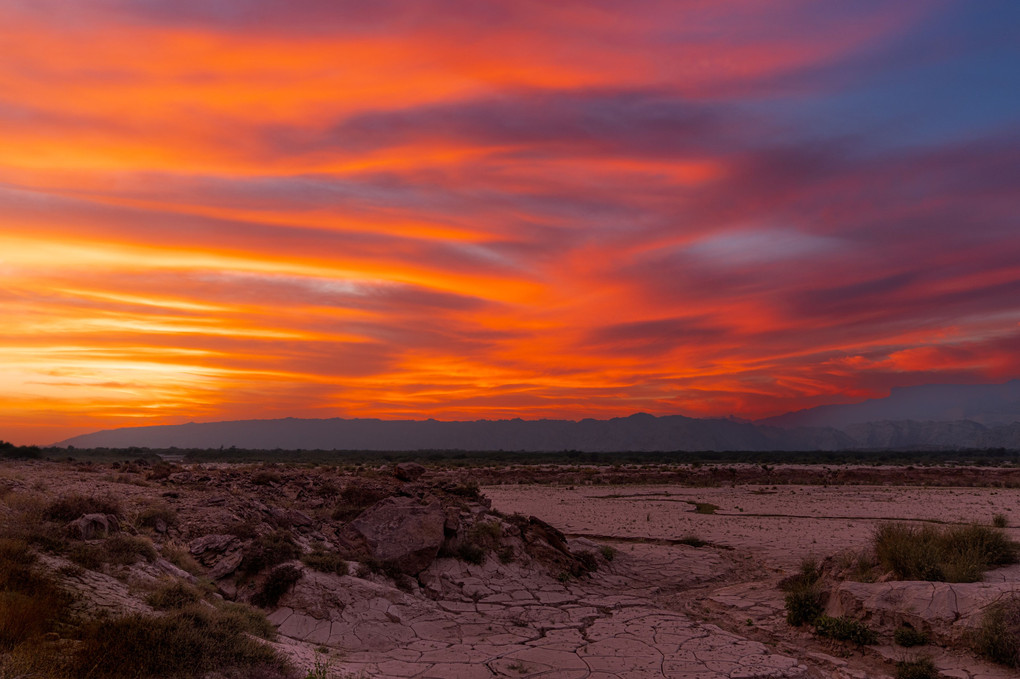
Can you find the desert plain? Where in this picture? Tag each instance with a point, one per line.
(573, 572)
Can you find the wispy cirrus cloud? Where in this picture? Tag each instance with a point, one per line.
(413, 209)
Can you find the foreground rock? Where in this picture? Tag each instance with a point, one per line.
(401, 531)
(944, 611)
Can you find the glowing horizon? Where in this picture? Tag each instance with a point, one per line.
(256, 209)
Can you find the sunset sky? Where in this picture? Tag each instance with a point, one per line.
(233, 209)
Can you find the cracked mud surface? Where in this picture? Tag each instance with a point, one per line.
(660, 608)
(526, 625)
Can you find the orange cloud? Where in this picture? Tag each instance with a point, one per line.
(512, 210)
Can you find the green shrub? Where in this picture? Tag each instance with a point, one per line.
(191, 642)
(692, 541)
(998, 637)
(1000, 520)
(922, 668)
(71, 507)
(172, 596)
(587, 561)
(807, 576)
(325, 561)
(845, 629)
(244, 618)
(608, 552)
(127, 549)
(947, 554)
(908, 636)
(803, 605)
(471, 552)
(489, 533)
(269, 550)
(156, 512)
(279, 580)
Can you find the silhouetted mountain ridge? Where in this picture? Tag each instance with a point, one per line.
(640, 432)
(937, 416)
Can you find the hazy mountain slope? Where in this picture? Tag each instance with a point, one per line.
(639, 432)
(987, 404)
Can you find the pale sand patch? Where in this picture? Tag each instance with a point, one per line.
(778, 525)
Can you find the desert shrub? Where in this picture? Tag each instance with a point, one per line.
(608, 552)
(127, 549)
(471, 552)
(173, 595)
(244, 618)
(803, 604)
(1000, 520)
(269, 550)
(326, 488)
(845, 629)
(160, 470)
(244, 530)
(190, 642)
(806, 576)
(587, 561)
(30, 601)
(90, 557)
(265, 478)
(998, 637)
(486, 532)
(947, 554)
(150, 516)
(908, 636)
(325, 561)
(279, 580)
(481, 538)
(921, 668)
(71, 507)
(320, 669)
(506, 554)
(11, 451)
(705, 508)
(180, 556)
(858, 566)
(468, 489)
(692, 541)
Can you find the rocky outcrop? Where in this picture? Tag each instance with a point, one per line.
(400, 531)
(220, 553)
(943, 610)
(408, 471)
(93, 526)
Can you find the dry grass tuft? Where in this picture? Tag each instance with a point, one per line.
(943, 554)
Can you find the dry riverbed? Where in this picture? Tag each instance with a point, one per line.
(442, 581)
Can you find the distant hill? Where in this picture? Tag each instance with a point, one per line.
(939, 416)
(639, 432)
(990, 405)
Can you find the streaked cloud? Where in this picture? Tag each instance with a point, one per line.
(216, 210)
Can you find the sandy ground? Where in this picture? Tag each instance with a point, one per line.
(763, 534)
(779, 525)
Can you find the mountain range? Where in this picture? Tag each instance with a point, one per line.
(933, 416)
